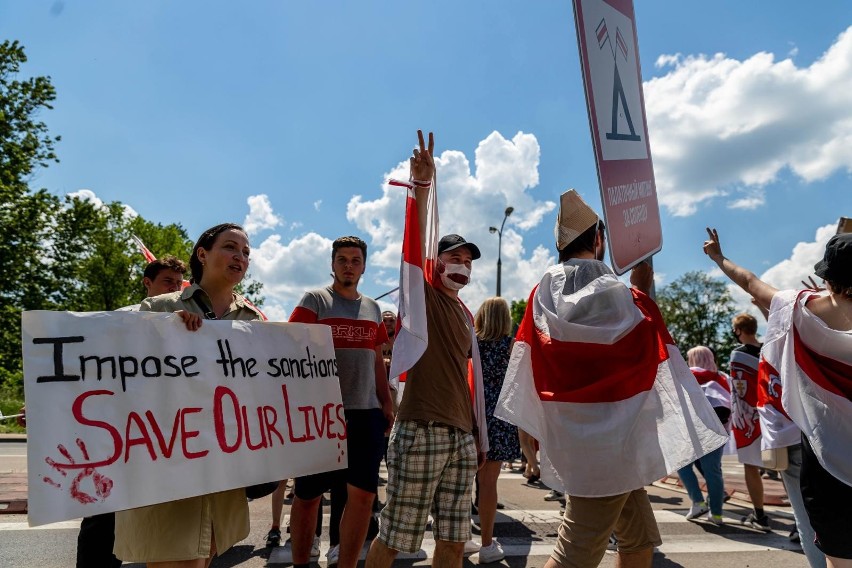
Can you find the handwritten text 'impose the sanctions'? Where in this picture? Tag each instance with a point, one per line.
(129, 409)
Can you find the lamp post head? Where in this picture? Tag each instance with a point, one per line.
(509, 211)
(492, 229)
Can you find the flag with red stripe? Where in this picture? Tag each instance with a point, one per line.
(715, 386)
(595, 377)
(745, 418)
(417, 271)
(814, 363)
(776, 428)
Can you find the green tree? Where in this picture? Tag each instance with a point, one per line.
(697, 310)
(517, 309)
(95, 261)
(25, 215)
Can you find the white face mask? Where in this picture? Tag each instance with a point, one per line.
(453, 276)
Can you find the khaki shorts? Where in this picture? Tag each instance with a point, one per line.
(184, 529)
(588, 522)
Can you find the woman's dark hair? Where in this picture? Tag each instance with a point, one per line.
(585, 242)
(206, 241)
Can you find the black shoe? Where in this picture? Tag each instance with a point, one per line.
(794, 536)
(273, 538)
(761, 524)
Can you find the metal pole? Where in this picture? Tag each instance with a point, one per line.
(499, 260)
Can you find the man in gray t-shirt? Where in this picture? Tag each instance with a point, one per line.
(358, 334)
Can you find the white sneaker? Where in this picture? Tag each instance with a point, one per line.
(315, 548)
(332, 555)
(697, 510)
(491, 553)
(554, 495)
(471, 547)
(717, 520)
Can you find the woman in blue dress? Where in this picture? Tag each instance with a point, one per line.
(493, 325)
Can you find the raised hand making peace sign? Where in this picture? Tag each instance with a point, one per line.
(422, 163)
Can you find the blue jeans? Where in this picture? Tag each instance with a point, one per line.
(794, 491)
(711, 469)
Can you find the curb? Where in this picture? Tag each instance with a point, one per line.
(13, 438)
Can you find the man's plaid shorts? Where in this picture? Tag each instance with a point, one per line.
(430, 469)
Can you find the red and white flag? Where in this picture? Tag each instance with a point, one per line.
(415, 273)
(149, 256)
(745, 417)
(776, 428)
(715, 386)
(815, 366)
(595, 377)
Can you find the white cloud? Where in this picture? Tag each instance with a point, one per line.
(288, 270)
(505, 173)
(721, 127)
(97, 202)
(260, 215)
(318, 204)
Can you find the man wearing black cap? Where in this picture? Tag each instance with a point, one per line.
(433, 452)
(808, 344)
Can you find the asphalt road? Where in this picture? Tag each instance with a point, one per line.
(526, 528)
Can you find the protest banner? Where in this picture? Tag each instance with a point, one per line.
(609, 56)
(126, 409)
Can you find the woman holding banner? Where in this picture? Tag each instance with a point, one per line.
(187, 533)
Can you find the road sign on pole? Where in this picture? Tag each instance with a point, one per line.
(609, 55)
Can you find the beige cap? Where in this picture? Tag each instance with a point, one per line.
(575, 217)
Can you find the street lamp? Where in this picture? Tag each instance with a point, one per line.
(500, 244)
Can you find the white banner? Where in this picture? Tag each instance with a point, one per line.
(126, 409)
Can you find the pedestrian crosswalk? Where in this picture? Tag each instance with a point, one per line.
(514, 530)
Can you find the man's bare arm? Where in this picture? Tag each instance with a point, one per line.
(745, 279)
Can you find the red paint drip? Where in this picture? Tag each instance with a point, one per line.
(65, 453)
(82, 445)
(54, 465)
(51, 482)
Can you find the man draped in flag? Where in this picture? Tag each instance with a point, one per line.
(809, 344)
(745, 418)
(435, 444)
(595, 377)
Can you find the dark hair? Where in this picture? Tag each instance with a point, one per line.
(167, 262)
(585, 242)
(350, 241)
(206, 241)
(842, 289)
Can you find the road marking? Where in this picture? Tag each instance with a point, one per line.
(64, 525)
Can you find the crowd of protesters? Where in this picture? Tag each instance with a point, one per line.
(478, 396)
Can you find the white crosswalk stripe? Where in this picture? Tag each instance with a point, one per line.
(731, 538)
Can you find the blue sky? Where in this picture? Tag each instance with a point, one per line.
(189, 111)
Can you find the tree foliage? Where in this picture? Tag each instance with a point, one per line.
(697, 310)
(74, 254)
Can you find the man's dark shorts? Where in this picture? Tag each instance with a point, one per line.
(365, 438)
(828, 502)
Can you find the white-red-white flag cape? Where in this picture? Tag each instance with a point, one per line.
(595, 377)
(815, 366)
(416, 272)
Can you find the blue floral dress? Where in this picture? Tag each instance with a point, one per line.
(502, 436)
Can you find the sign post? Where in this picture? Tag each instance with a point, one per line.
(609, 55)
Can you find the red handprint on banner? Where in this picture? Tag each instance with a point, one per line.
(101, 485)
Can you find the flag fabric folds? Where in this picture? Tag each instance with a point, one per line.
(776, 428)
(814, 363)
(416, 272)
(745, 417)
(595, 377)
(715, 386)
